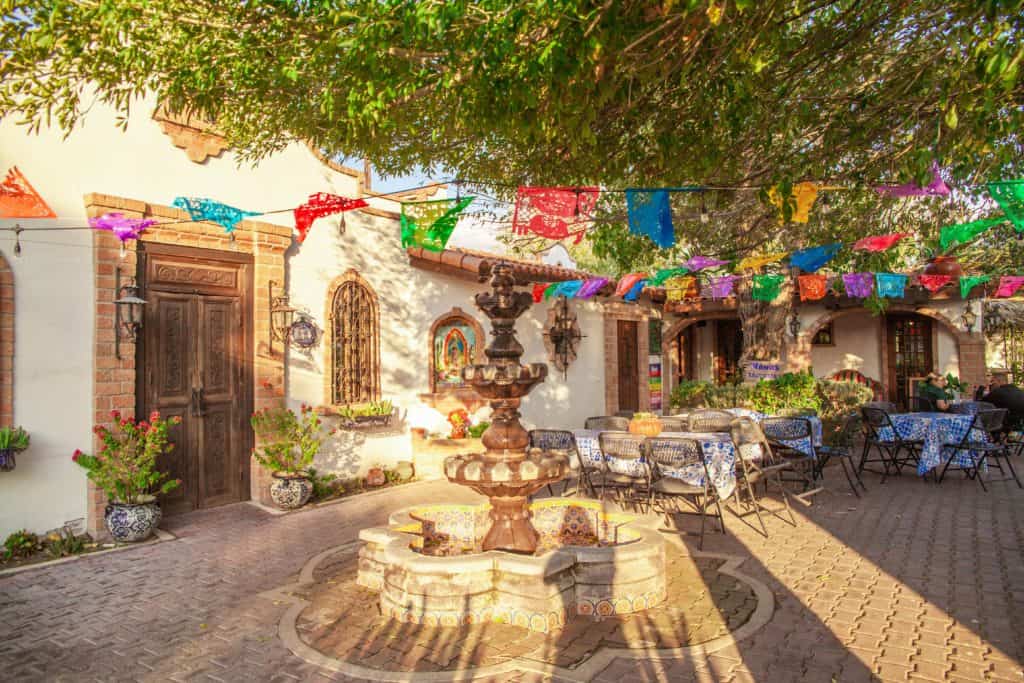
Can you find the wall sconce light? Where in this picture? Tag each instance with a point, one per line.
(968, 319)
(794, 325)
(127, 312)
(281, 315)
(563, 336)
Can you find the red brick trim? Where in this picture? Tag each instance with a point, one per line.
(613, 312)
(6, 344)
(114, 379)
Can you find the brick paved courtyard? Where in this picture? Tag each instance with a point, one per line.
(914, 581)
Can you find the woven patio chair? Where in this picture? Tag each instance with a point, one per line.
(880, 434)
(779, 431)
(564, 440)
(705, 421)
(756, 463)
(674, 424)
(797, 412)
(665, 453)
(842, 450)
(983, 444)
(612, 423)
(626, 472)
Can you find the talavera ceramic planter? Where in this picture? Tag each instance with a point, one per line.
(290, 491)
(132, 523)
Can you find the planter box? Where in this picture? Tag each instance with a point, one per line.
(366, 422)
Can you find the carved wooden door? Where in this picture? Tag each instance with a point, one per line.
(194, 365)
(729, 348)
(629, 366)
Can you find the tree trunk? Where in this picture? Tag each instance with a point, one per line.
(764, 323)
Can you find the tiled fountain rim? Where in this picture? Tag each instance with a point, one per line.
(584, 672)
(399, 551)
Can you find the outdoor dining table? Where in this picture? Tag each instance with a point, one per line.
(717, 448)
(935, 430)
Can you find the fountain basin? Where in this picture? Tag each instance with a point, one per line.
(429, 569)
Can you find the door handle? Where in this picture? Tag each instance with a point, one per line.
(197, 402)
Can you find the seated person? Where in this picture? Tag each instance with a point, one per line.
(934, 391)
(1005, 395)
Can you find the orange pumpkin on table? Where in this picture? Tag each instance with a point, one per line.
(645, 424)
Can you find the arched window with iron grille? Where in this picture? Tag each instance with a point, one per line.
(355, 343)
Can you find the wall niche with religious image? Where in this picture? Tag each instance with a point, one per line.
(456, 340)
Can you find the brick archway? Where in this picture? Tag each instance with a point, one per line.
(970, 346)
(114, 381)
(669, 340)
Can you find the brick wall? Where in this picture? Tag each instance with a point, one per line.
(114, 378)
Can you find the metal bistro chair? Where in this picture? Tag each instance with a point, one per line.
(889, 446)
(842, 449)
(778, 431)
(756, 463)
(971, 407)
(985, 424)
(887, 406)
(611, 423)
(922, 404)
(679, 453)
(625, 470)
(564, 440)
(705, 421)
(674, 424)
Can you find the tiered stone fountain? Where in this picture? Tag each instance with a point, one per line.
(455, 564)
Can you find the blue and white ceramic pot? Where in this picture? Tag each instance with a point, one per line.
(7, 462)
(290, 491)
(132, 523)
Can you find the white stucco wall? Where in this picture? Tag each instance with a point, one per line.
(857, 347)
(53, 279)
(410, 300)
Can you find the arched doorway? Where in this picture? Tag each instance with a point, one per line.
(705, 348)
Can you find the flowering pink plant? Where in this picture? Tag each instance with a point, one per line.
(288, 442)
(125, 467)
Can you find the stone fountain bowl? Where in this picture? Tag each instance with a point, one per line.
(592, 562)
(495, 381)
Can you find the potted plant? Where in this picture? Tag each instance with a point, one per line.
(125, 469)
(373, 414)
(288, 443)
(375, 476)
(12, 440)
(645, 424)
(459, 420)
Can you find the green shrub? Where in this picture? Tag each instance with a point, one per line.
(20, 544)
(324, 485)
(477, 430)
(64, 543)
(689, 394)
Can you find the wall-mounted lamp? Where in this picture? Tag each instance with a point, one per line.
(794, 325)
(968, 319)
(281, 315)
(127, 312)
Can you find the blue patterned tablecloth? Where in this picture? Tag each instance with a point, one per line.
(935, 430)
(805, 446)
(718, 449)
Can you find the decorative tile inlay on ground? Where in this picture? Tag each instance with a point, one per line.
(342, 622)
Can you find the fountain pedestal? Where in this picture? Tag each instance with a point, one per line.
(507, 472)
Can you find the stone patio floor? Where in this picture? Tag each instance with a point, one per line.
(915, 581)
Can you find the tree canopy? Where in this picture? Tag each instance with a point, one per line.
(642, 93)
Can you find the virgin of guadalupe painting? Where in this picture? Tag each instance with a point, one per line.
(454, 348)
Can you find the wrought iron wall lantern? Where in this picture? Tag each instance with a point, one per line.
(281, 315)
(127, 312)
(794, 325)
(562, 337)
(968, 319)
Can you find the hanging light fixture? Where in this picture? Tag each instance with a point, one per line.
(127, 312)
(794, 325)
(281, 315)
(968, 319)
